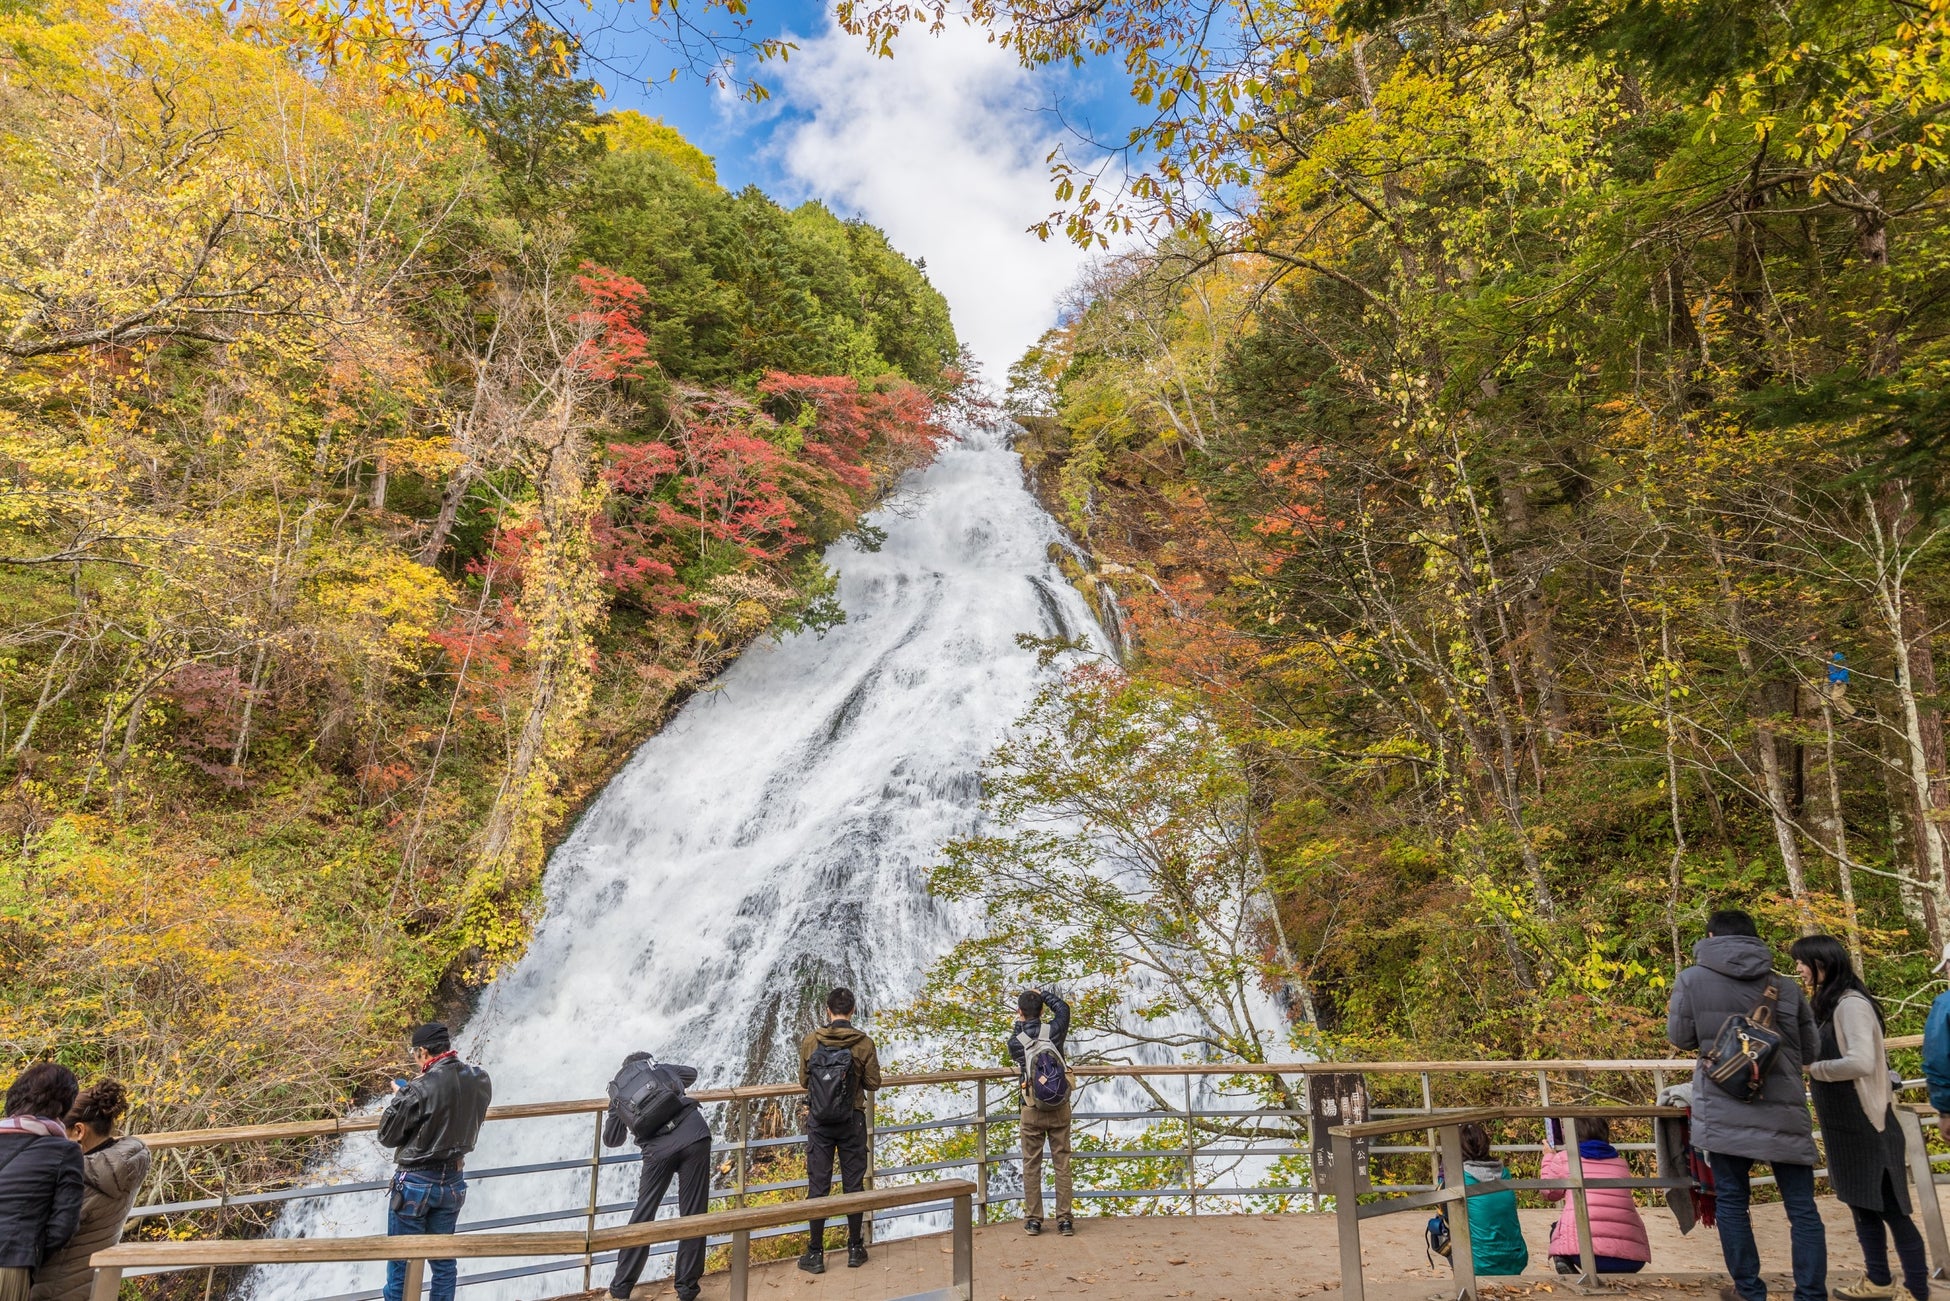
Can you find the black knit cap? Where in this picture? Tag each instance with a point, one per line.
(432, 1036)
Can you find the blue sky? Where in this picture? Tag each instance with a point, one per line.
(943, 146)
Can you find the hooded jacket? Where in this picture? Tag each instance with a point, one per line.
(111, 1176)
(866, 1058)
(1616, 1227)
(434, 1120)
(1729, 976)
(40, 1197)
(1495, 1235)
(1936, 1052)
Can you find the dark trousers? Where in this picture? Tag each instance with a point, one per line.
(1807, 1240)
(691, 1165)
(849, 1142)
(1869, 1226)
(1603, 1264)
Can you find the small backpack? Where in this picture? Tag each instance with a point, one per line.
(1045, 1075)
(829, 1084)
(1435, 1237)
(1738, 1060)
(645, 1097)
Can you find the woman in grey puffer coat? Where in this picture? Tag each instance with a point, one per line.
(112, 1171)
(1731, 975)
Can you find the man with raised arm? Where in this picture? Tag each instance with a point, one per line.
(1038, 1047)
(431, 1123)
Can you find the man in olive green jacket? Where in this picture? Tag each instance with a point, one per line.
(836, 1120)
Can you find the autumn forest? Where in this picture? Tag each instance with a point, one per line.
(1508, 441)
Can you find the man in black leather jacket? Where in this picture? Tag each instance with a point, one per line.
(432, 1121)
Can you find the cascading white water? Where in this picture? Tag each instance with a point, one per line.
(769, 842)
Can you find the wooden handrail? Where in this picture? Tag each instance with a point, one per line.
(417, 1249)
(760, 1092)
(1484, 1115)
(197, 1253)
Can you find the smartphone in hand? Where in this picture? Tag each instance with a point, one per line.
(1554, 1132)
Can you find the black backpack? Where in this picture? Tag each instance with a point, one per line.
(646, 1097)
(829, 1084)
(1743, 1052)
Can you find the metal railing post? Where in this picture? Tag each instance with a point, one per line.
(982, 1147)
(1314, 1191)
(595, 1173)
(1580, 1204)
(1462, 1248)
(1191, 1149)
(741, 1264)
(1924, 1177)
(1347, 1218)
(108, 1284)
(1428, 1135)
(741, 1157)
(866, 1229)
(964, 1285)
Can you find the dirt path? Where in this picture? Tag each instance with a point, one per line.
(1246, 1258)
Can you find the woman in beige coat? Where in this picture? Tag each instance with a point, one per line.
(113, 1168)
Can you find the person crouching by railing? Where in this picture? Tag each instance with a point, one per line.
(113, 1168)
(1495, 1236)
(647, 1103)
(1850, 1085)
(40, 1175)
(433, 1121)
(1618, 1241)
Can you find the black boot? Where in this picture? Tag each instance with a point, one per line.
(856, 1254)
(1064, 1227)
(1032, 1227)
(813, 1262)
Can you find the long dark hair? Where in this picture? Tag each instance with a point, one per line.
(1834, 975)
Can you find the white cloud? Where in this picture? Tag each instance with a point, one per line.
(943, 147)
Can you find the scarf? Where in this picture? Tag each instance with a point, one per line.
(41, 1126)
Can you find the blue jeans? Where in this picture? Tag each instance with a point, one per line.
(1807, 1240)
(424, 1201)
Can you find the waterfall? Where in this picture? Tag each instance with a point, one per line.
(771, 841)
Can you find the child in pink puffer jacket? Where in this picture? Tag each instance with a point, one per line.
(1618, 1241)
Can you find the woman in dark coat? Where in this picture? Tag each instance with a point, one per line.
(40, 1175)
(1849, 1081)
(113, 1168)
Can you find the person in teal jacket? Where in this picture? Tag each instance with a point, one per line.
(1936, 1052)
(1495, 1237)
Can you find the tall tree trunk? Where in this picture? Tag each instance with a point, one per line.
(451, 496)
(1536, 619)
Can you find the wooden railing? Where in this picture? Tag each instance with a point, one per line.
(416, 1250)
(1350, 1210)
(1203, 1132)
